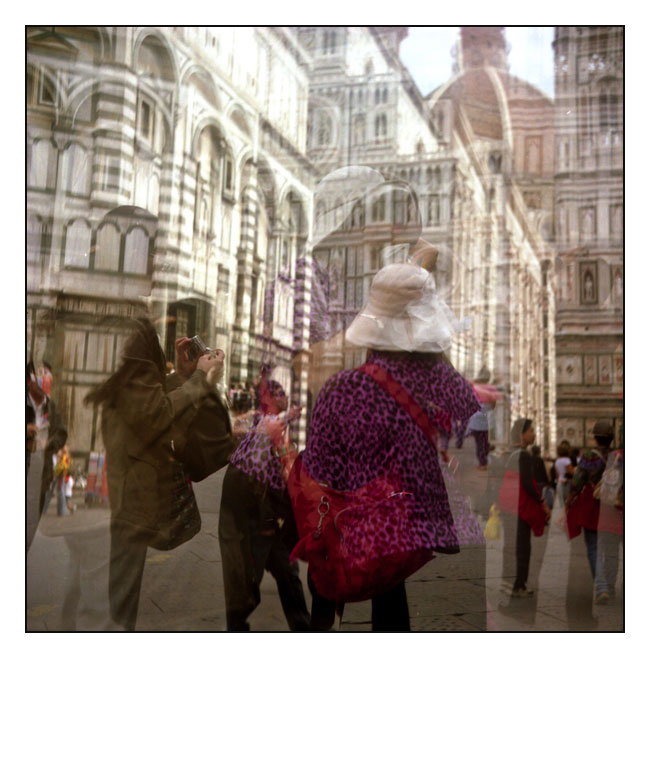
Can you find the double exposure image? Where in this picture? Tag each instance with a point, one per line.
(324, 329)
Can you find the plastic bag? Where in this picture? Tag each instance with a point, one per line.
(492, 529)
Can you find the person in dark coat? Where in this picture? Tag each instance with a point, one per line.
(146, 430)
(45, 436)
(522, 505)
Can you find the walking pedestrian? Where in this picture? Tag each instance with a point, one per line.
(45, 436)
(522, 504)
(584, 511)
(479, 424)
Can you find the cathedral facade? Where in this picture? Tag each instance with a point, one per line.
(185, 173)
(589, 229)
(478, 155)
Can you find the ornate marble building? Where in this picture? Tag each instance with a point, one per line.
(589, 228)
(172, 171)
(166, 173)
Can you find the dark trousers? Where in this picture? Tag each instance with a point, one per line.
(523, 554)
(591, 541)
(482, 443)
(252, 540)
(509, 557)
(390, 611)
(482, 447)
(127, 556)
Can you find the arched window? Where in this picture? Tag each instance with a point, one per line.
(324, 133)
(34, 237)
(329, 42)
(77, 244)
(379, 209)
(209, 154)
(76, 170)
(212, 173)
(228, 174)
(155, 70)
(136, 251)
(107, 248)
(608, 108)
(204, 218)
(42, 168)
(381, 125)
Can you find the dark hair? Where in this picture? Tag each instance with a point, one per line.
(520, 426)
(604, 440)
(536, 450)
(142, 346)
(563, 449)
(267, 393)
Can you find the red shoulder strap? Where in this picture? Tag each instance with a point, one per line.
(402, 398)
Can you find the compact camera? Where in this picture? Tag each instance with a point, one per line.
(196, 349)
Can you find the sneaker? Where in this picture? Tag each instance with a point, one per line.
(602, 598)
(522, 593)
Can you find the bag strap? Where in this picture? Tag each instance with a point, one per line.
(600, 455)
(403, 398)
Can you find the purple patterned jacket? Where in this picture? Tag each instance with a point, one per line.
(358, 432)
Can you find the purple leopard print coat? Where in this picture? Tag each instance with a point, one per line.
(358, 432)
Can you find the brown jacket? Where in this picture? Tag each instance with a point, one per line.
(144, 431)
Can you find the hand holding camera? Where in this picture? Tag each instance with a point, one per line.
(191, 354)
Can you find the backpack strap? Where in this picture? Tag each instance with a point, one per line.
(403, 398)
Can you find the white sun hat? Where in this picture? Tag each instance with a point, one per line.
(404, 312)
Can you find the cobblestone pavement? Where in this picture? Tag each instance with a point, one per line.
(182, 590)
